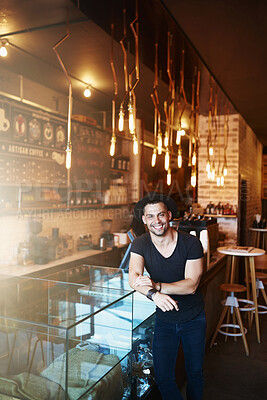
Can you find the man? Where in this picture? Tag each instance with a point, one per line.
(174, 261)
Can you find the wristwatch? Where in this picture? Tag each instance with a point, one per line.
(150, 293)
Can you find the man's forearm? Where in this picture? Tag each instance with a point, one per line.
(185, 286)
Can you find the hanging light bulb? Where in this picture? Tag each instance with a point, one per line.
(112, 146)
(166, 139)
(135, 145)
(194, 158)
(218, 180)
(3, 50)
(178, 137)
(181, 131)
(159, 143)
(179, 158)
(209, 175)
(211, 151)
(68, 156)
(154, 158)
(169, 177)
(121, 119)
(131, 116)
(87, 91)
(193, 179)
(225, 170)
(167, 160)
(222, 180)
(208, 166)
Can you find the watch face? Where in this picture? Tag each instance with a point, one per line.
(60, 135)
(20, 125)
(34, 129)
(48, 132)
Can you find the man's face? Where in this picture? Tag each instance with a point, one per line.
(157, 217)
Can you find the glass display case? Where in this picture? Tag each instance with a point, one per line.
(67, 340)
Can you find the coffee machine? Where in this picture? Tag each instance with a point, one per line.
(107, 235)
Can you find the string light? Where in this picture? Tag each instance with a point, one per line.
(154, 158)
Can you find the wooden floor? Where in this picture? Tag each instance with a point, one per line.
(231, 375)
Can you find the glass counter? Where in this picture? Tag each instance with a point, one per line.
(58, 342)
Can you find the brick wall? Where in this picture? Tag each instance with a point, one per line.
(250, 168)
(243, 162)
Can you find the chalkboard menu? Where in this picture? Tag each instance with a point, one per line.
(91, 160)
(32, 149)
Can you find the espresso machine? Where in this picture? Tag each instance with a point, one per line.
(107, 237)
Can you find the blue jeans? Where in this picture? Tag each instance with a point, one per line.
(167, 338)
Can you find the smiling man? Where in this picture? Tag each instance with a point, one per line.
(174, 261)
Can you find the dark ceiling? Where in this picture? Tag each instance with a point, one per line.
(230, 37)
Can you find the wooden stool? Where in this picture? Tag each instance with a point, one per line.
(231, 305)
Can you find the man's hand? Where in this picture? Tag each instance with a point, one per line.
(165, 302)
(144, 280)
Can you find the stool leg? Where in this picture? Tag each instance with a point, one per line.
(227, 271)
(247, 278)
(233, 270)
(240, 323)
(224, 311)
(264, 295)
(234, 322)
(227, 322)
(254, 295)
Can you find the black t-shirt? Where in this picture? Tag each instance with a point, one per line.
(171, 269)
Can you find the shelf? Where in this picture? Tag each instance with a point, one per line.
(221, 215)
(29, 210)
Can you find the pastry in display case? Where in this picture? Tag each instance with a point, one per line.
(62, 340)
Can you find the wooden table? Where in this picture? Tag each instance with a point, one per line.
(258, 233)
(249, 261)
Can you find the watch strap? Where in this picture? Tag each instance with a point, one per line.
(150, 293)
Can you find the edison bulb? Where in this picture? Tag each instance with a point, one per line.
(121, 119)
(167, 160)
(159, 143)
(112, 146)
(169, 177)
(135, 146)
(68, 158)
(154, 158)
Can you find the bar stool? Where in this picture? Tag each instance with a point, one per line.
(231, 305)
(250, 255)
